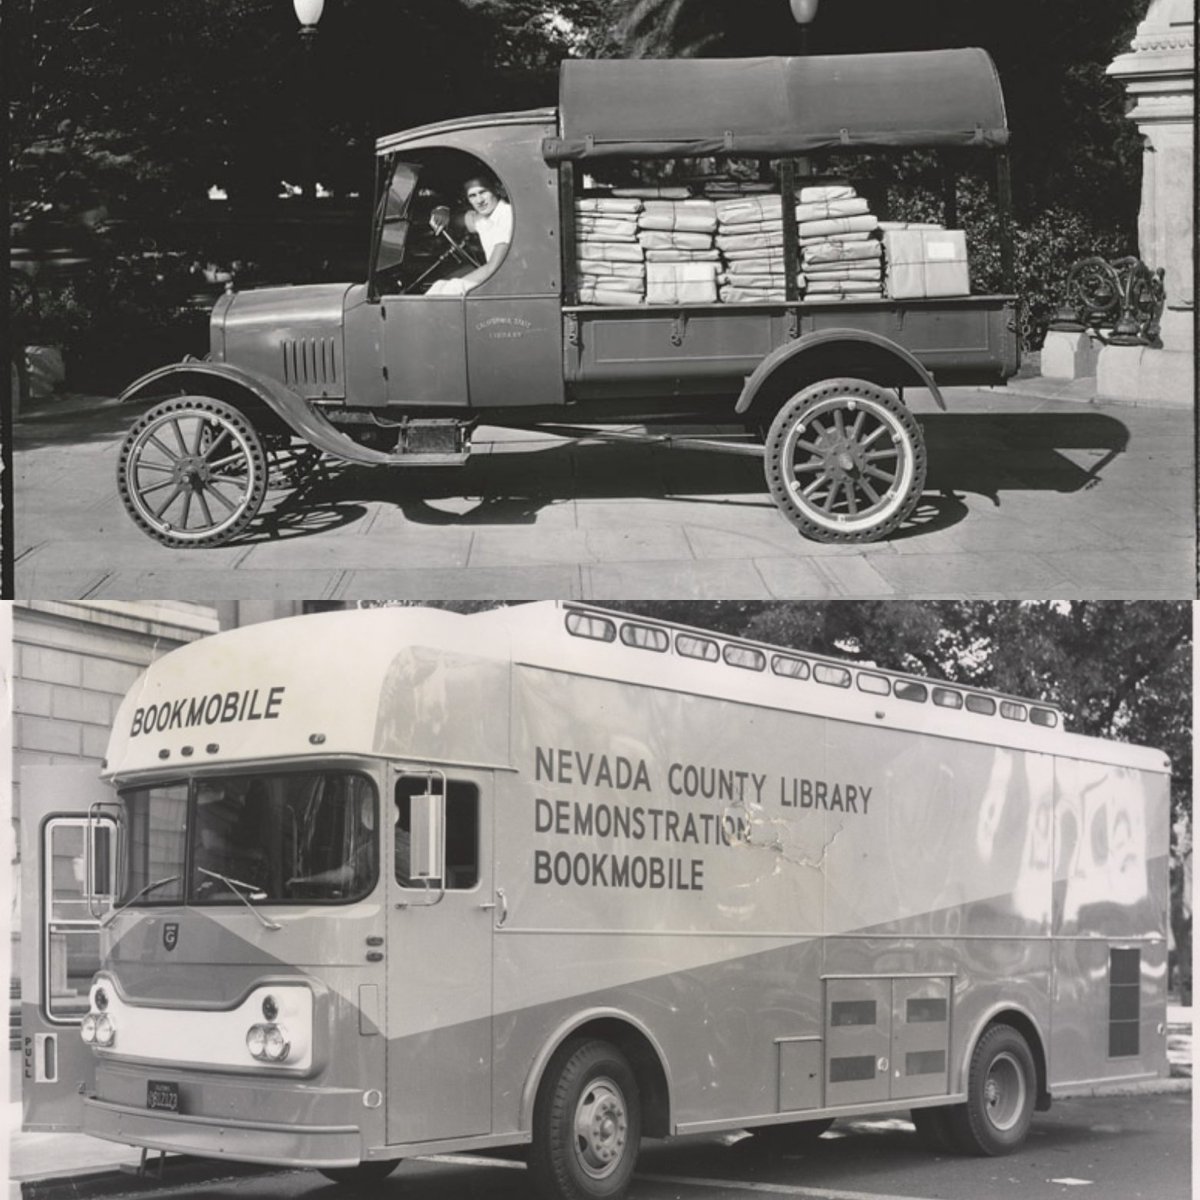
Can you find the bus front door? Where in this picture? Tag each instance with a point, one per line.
(68, 873)
(439, 992)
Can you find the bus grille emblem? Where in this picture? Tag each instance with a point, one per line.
(170, 934)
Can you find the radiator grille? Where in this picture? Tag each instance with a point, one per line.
(309, 362)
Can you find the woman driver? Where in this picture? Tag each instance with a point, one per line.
(491, 218)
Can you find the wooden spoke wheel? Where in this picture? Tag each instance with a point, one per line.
(845, 461)
(192, 472)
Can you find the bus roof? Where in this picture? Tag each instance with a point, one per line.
(419, 682)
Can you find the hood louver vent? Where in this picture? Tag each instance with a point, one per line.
(310, 362)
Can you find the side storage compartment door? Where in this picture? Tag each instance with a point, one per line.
(920, 1036)
(68, 878)
(858, 1035)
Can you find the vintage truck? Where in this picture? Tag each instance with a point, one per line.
(381, 373)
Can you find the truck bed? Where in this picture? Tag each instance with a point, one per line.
(706, 347)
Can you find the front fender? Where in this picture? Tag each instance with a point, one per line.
(830, 337)
(294, 411)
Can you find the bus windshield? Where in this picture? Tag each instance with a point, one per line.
(295, 836)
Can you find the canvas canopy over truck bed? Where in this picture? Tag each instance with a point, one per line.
(683, 107)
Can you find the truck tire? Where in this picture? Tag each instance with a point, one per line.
(587, 1124)
(1001, 1089)
(845, 461)
(362, 1174)
(192, 472)
(794, 1135)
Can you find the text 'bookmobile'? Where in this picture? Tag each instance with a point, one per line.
(377, 884)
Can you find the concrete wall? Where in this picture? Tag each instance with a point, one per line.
(72, 663)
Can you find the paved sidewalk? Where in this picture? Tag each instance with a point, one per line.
(1028, 495)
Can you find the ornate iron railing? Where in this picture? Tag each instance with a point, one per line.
(1124, 297)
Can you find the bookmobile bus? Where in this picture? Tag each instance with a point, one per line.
(369, 885)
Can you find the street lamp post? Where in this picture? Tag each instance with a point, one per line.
(308, 13)
(803, 13)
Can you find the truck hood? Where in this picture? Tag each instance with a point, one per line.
(312, 303)
(293, 334)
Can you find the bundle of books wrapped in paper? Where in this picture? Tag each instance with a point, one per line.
(662, 245)
(839, 257)
(611, 261)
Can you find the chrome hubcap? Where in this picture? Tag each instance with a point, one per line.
(1004, 1092)
(601, 1128)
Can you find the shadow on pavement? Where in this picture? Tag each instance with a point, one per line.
(972, 453)
(993, 452)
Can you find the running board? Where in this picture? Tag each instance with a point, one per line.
(670, 441)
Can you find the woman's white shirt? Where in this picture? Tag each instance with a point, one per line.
(495, 228)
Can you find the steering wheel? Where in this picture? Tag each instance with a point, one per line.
(459, 249)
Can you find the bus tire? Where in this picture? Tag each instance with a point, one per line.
(794, 1135)
(845, 461)
(363, 1173)
(933, 1128)
(587, 1124)
(1001, 1089)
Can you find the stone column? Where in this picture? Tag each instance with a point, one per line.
(1159, 75)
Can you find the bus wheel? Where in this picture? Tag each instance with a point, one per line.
(587, 1124)
(1000, 1095)
(845, 461)
(795, 1135)
(933, 1128)
(364, 1173)
(192, 472)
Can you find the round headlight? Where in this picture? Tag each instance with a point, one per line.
(87, 1030)
(270, 1008)
(256, 1040)
(277, 1044)
(106, 1032)
(100, 1000)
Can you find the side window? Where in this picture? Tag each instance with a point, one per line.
(461, 866)
(414, 258)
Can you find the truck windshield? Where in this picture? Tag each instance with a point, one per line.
(394, 215)
(287, 837)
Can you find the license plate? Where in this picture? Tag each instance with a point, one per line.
(162, 1096)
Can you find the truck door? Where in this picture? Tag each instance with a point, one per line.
(425, 350)
(439, 990)
(68, 876)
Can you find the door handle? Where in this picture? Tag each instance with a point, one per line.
(503, 907)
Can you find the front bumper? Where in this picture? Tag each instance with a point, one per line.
(276, 1144)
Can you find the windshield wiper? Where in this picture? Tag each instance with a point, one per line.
(137, 896)
(251, 893)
